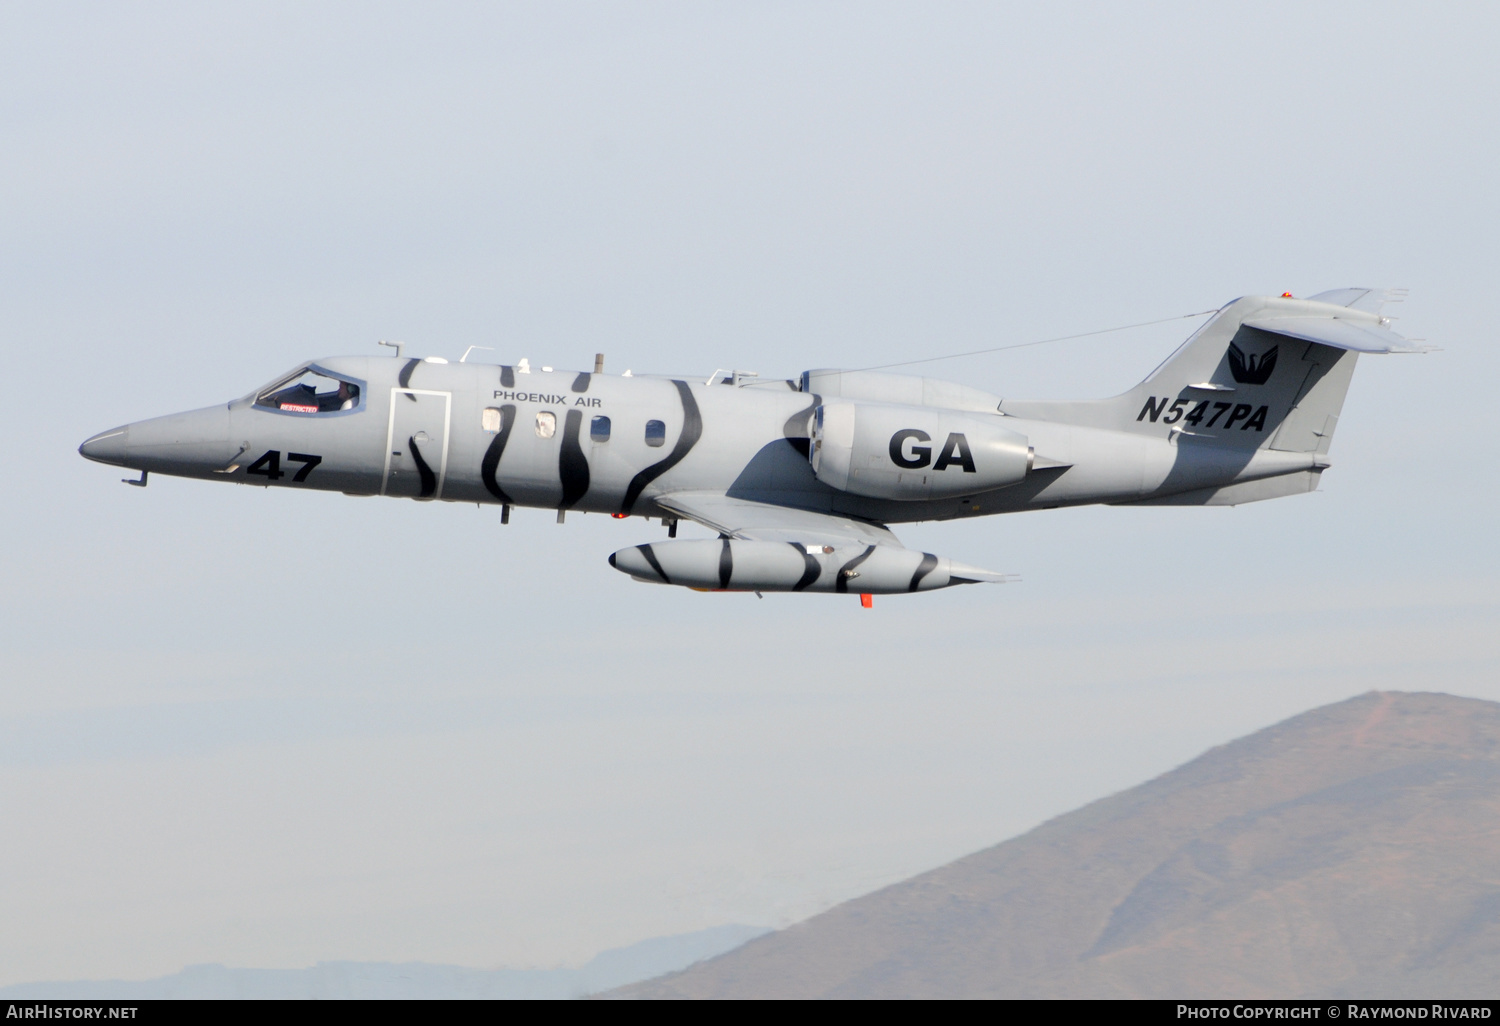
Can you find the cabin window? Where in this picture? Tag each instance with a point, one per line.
(546, 424)
(310, 391)
(490, 420)
(599, 429)
(656, 433)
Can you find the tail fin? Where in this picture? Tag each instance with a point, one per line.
(1265, 372)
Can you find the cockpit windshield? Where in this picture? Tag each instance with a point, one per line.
(310, 391)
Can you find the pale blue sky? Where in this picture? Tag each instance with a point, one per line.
(480, 745)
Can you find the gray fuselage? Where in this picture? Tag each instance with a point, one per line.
(420, 429)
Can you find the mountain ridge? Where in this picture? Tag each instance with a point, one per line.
(407, 980)
(1350, 850)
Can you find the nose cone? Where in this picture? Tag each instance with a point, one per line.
(189, 444)
(108, 446)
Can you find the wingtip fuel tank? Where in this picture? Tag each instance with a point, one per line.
(736, 564)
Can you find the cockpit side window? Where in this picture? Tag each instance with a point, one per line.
(310, 391)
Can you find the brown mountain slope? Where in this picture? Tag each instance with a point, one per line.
(1353, 850)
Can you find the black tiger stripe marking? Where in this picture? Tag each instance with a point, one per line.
(692, 430)
(429, 479)
(843, 582)
(404, 378)
(572, 464)
(491, 461)
(928, 564)
(726, 564)
(811, 568)
(655, 563)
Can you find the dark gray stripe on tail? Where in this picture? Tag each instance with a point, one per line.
(811, 568)
(692, 430)
(726, 564)
(928, 564)
(843, 582)
(491, 461)
(572, 464)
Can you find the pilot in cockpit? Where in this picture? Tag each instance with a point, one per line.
(343, 399)
(306, 396)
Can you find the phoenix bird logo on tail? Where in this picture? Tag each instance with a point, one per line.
(1251, 370)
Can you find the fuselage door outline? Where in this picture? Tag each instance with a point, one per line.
(390, 434)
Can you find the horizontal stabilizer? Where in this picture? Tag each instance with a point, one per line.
(1368, 300)
(1338, 333)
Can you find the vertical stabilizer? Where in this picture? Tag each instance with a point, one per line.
(1263, 373)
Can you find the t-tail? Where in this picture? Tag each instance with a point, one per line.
(1265, 373)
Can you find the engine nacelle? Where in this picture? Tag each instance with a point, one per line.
(898, 390)
(911, 452)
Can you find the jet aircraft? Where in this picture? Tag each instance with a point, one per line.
(800, 478)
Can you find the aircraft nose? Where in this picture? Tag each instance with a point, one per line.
(190, 444)
(107, 446)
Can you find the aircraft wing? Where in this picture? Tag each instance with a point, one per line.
(760, 521)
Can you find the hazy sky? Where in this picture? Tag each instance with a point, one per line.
(263, 728)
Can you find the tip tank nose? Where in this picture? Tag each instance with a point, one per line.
(107, 446)
(640, 563)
